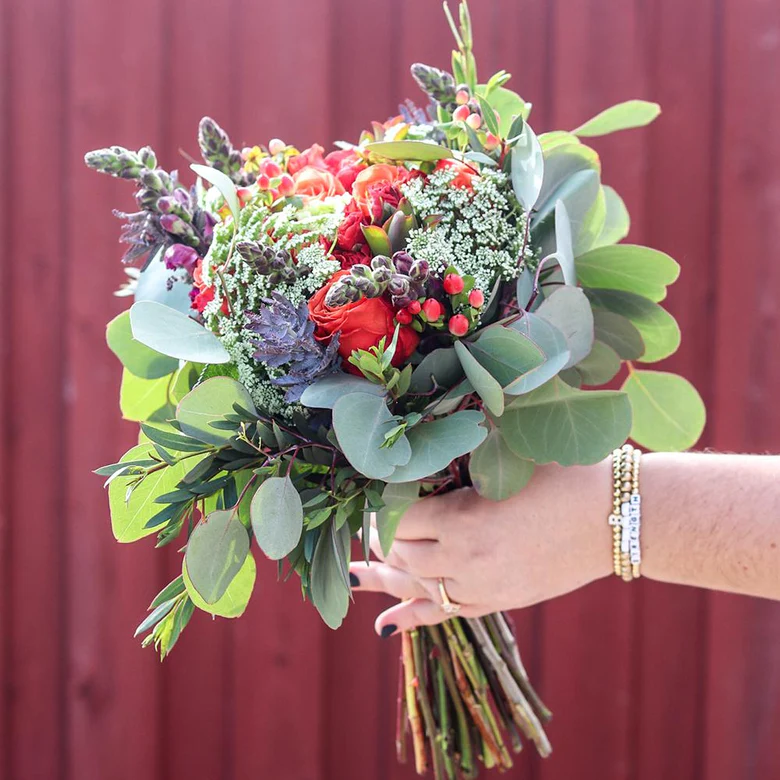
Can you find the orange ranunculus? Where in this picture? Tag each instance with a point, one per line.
(360, 325)
(315, 183)
(374, 176)
(463, 174)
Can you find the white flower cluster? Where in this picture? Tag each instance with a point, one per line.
(479, 232)
(293, 229)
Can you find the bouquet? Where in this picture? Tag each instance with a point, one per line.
(320, 340)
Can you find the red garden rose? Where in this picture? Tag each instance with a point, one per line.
(378, 183)
(360, 325)
(345, 165)
(315, 183)
(312, 156)
(350, 235)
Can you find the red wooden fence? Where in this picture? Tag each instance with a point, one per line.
(646, 681)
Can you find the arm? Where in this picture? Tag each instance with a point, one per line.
(707, 520)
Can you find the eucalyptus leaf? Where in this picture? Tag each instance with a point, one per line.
(216, 551)
(172, 333)
(553, 345)
(417, 151)
(140, 398)
(557, 423)
(527, 168)
(568, 309)
(506, 353)
(210, 402)
(658, 329)
(224, 184)
(623, 116)
(508, 105)
(636, 269)
(441, 365)
(617, 221)
(137, 358)
(483, 382)
(525, 287)
(436, 444)
(235, 599)
(496, 472)
(328, 592)
(669, 414)
(619, 333)
(360, 421)
(601, 365)
(277, 517)
(324, 393)
(398, 498)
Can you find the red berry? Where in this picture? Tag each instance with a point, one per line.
(477, 299)
(432, 309)
(461, 113)
(492, 142)
(403, 316)
(462, 97)
(244, 195)
(474, 121)
(414, 307)
(453, 284)
(263, 182)
(271, 168)
(286, 185)
(458, 325)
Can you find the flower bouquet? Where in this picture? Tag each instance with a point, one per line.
(318, 341)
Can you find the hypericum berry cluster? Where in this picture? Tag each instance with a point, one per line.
(470, 113)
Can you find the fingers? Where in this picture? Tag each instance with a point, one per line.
(427, 518)
(417, 612)
(379, 577)
(422, 558)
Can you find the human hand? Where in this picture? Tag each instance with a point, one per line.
(549, 539)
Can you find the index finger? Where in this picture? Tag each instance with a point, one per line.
(426, 518)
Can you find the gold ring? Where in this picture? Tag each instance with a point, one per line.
(448, 606)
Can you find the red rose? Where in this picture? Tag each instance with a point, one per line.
(360, 325)
(311, 156)
(347, 258)
(464, 175)
(350, 235)
(345, 165)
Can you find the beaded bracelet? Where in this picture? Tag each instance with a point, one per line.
(626, 515)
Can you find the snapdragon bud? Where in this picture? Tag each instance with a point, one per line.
(403, 262)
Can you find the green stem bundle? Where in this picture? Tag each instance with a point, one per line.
(465, 696)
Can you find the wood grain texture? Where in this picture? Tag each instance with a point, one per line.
(645, 682)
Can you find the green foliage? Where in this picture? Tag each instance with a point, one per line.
(568, 310)
(375, 363)
(415, 151)
(506, 353)
(496, 472)
(636, 269)
(329, 578)
(397, 499)
(483, 382)
(209, 403)
(600, 365)
(172, 333)
(560, 424)
(436, 444)
(619, 333)
(140, 399)
(235, 599)
(137, 358)
(277, 517)
(508, 105)
(617, 221)
(440, 366)
(553, 345)
(225, 186)
(669, 414)
(216, 551)
(623, 116)
(324, 393)
(527, 168)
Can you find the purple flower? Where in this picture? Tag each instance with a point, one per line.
(181, 256)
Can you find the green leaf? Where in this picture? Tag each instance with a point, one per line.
(225, 186)
(277, 517)
(484, 383)
(564, 251)
(129, 518)
(623, 116)
(398, 498)
(619, 333)
(527, 168)
(361, 421)
(329, 593)
(175, 334)
(209, 402)
(170, 439)
(568, 309)
(378, 241)
(592, 224)
(436, 444)
(617, 221)
(324, 393)
(552, 344)
(216, 551)
(658, 329)
(636, 269)
(508, 105)
(140, 398)
(506, 353)
(557, 423)
(442, 365)
(137, 358)
(601, 365)
(418, 151)
(496, 472)
(234, 600)
(489, 115)
(669, 414)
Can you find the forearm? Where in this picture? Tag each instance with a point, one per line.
(712, 521)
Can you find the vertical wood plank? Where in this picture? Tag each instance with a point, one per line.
(114, 686)
(743, 669)
(35, 369)
(587, 636)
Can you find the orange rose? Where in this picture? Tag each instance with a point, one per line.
(463, 174)
(375, 176)
(315, 183)
(313, 156)
(360, 325)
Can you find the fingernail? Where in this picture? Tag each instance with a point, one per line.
(353, 580)
(388, 630)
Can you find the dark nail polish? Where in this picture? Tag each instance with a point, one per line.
(353, 580)
(388, 630)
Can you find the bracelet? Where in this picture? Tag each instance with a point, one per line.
(626, 515)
